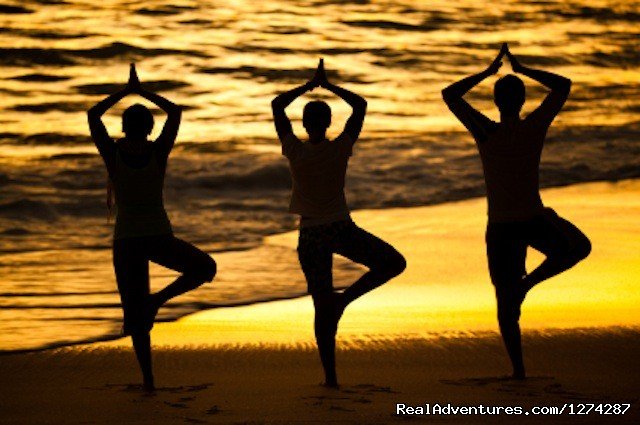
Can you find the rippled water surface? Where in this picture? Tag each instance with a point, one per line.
(227, 186)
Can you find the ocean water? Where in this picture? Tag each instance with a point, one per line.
(227, 186)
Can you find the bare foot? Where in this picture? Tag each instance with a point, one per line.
(149, 386)
(330, 384)
(519, 375)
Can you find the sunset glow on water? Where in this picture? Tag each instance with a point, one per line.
(227, 186)
(225, 60)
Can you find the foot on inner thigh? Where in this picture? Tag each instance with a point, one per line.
(525, 284)
(513, 298)
(338, 301)
(523, 289)
(151, 310)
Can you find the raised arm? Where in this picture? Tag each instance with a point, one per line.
(169, 132)
(475, 121)
(559, 86)
(358, 104)
(99, 134)
(280, 103)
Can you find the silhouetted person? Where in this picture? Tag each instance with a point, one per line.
(510, 151)
(143, 233)
(318, 169)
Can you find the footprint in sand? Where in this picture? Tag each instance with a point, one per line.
(535, 386)
(370, 388)
(176, 405)
(319, 400)
(187, 393)
(213, 410)
(194, 421)
(341, 409)
(186, 388)
(181, 403)
(138, 388)
(348, 396)
(494, 381)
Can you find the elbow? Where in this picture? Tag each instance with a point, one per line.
(563, 89)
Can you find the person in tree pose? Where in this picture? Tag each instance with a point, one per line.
(510, 151)
(136, 168)
(318, 167)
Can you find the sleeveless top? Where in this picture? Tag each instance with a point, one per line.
(139, 203)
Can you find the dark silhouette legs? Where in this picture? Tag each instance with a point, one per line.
(142, 348)
(563, 244)
(325, 326)
(316, 247)
(131, 258)
(506, 252)
(508, 320)
(329, 307)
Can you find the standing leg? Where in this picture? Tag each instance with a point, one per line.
(325, 332)
(195, 265)
(142, 347)
(563, 244)
(132, 274)
(506, 253)
(316, 258)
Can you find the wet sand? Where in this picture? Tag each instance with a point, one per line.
(266, 384)
(407, 342)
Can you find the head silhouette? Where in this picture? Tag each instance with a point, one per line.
(316, 117)
(137, 121)
(509, 95)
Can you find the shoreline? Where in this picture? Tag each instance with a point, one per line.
(443, 227)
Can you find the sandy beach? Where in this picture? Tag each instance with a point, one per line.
(241, 350)
(404, 343)
(265, 384)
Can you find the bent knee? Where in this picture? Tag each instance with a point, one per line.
(399, 265)
(205, 271)
(574, 251)
(395, 265)
(209, 270)
(583, 249)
